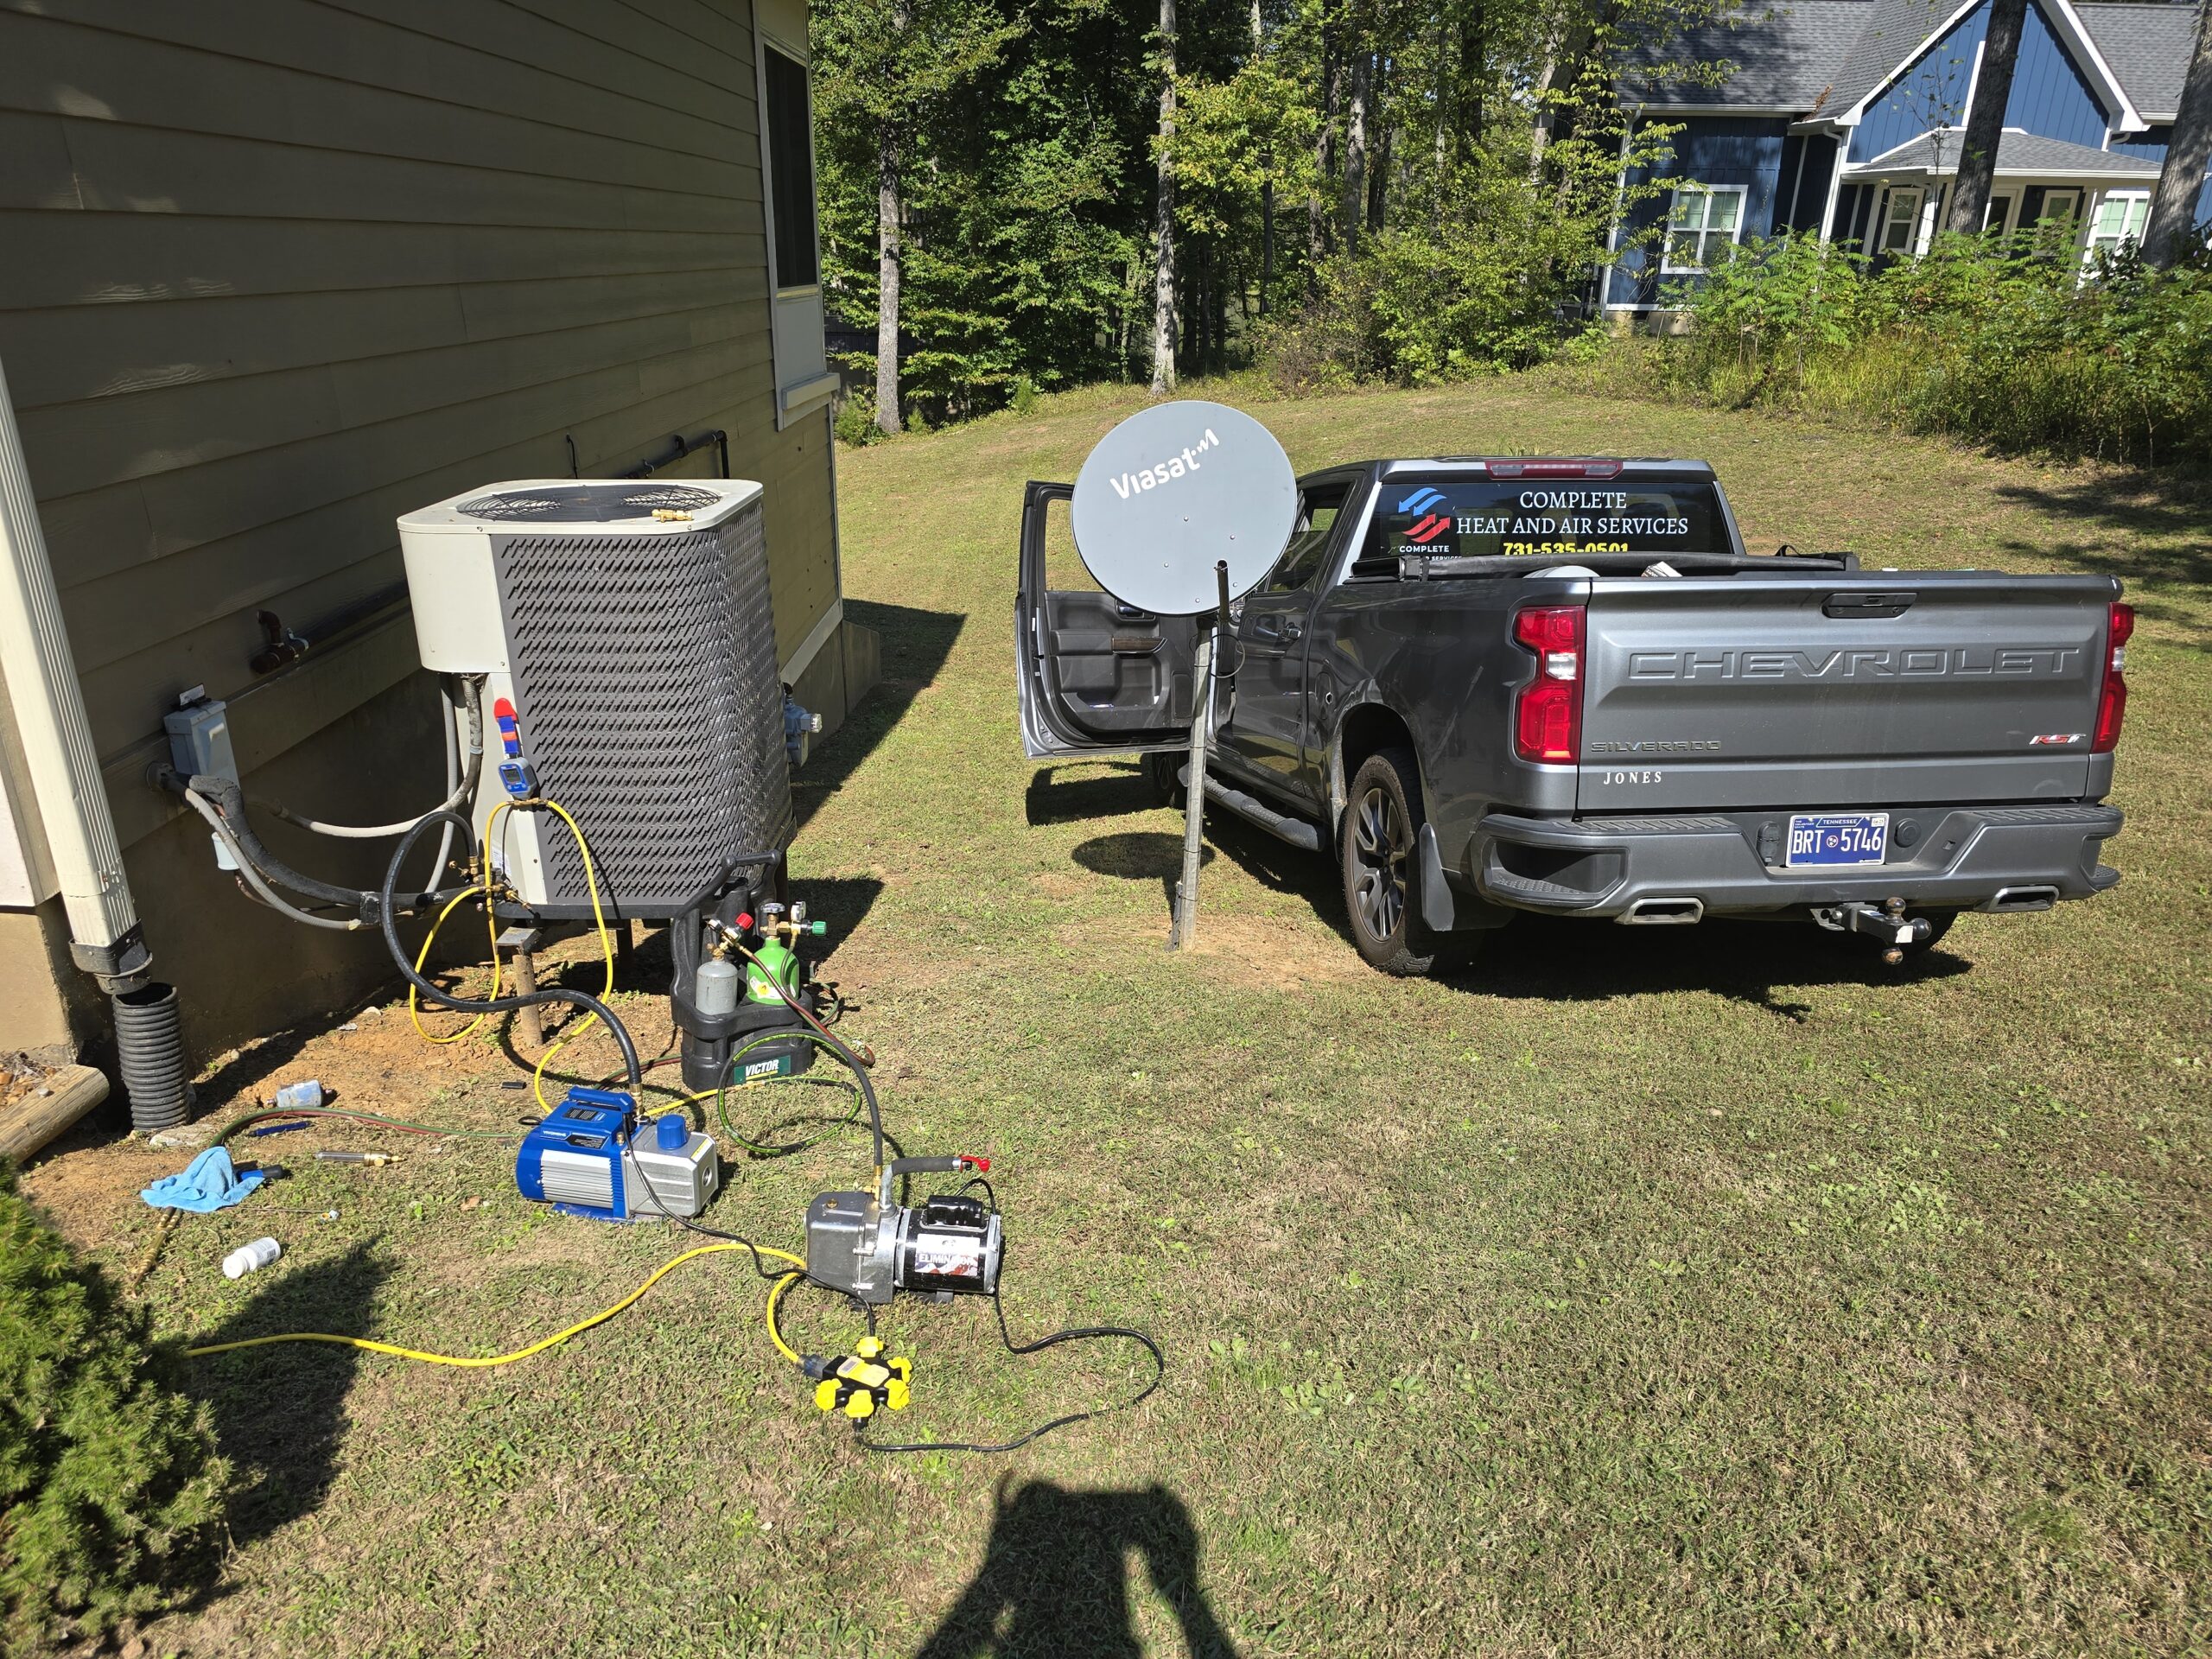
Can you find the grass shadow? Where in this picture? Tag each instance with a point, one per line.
(2163, 520)
(1055, 1578)
(915, 645)
(280, 1411)
(1140, 855)
(1051, 799)
(1558, 959)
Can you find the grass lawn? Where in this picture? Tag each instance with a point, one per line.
(1636, 1291)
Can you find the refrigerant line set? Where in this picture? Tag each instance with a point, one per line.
(620, 635)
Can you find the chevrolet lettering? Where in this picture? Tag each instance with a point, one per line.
(1858, 663)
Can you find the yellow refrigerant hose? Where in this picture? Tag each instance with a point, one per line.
(470, 1362)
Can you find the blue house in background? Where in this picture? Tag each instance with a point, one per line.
(1844, 118)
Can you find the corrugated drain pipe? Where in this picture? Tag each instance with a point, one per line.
(105, 937)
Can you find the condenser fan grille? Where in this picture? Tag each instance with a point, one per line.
(645, 678)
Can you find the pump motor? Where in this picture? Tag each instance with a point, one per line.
(589, 1156)
(870, 1248)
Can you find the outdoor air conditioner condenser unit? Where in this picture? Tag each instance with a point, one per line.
(629, 651)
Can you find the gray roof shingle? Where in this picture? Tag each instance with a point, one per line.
(1893, 29)
(2018, 152)
(1784, 56)
(2147, 47)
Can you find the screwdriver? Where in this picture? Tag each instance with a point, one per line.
(325, 1155)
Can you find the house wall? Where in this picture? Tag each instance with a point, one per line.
(1743, 150)
(272, 273)
(2048, 94)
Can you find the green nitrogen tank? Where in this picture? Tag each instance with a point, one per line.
(772, 966)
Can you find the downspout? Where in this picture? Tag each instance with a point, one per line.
(105, 939)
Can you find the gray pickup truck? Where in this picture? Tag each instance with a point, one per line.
(1563, 686)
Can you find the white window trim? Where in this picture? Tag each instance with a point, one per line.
(2092, 211)
(1742, 193)
(797, 398)
(1882, 220)
(799, 55)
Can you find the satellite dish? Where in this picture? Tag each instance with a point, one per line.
(1171, 491)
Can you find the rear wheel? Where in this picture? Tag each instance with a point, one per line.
(1382, 826)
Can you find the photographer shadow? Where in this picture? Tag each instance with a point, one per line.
(1055, 1578)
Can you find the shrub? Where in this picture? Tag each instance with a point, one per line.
(857, 420)
(2001, 340)
(110, 1491)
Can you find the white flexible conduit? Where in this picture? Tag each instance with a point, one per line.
(49, 707)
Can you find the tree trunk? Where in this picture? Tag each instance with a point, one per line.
(1473, 74)
(1163, 303)
(1352, 205)
(1378, 172)
(888, 215)
(1562, 65)
(1324, 155)
(1992, 90)
(1267, 194)
(1443, 94)
(1267, 241)
(1220, 296)
(2167, 236)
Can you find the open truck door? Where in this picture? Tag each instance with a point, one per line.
(1094, 676)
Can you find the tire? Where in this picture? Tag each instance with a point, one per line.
(1375, 856)
(1160, 774)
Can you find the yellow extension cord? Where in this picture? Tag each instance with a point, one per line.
(537, 1088)
(539, 1347)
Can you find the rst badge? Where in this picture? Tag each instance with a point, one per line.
(2056, 739)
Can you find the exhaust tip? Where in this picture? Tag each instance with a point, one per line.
(1663, 913)
(2016, 899)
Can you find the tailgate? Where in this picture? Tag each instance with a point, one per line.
(1840, 689)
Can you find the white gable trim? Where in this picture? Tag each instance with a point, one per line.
(2066, 25)
(2125, 117)
(1852, 116)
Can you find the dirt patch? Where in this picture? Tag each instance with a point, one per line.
(1257, 951)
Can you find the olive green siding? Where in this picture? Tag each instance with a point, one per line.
(272, 273)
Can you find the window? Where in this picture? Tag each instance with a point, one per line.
(2000, 216)
(1317, 524)
(1703, 222)
(1900, 222)
(2060, 205)
(791, 165)
(2119, 221)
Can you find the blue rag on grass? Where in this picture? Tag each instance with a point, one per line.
(209, 1182)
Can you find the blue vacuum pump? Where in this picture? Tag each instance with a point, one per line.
(590, 1156)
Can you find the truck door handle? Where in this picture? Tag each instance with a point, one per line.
(1845, 606)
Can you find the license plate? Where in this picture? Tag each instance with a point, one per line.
(1837, 840)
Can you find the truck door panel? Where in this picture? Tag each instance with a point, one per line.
(1092, 676)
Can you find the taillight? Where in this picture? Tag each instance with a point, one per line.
(1547, 712)
(2112, 701)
